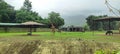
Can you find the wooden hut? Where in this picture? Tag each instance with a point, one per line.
(73, 29)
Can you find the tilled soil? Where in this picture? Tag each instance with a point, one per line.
(69, 46)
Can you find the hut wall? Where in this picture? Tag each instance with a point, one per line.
(73, 29)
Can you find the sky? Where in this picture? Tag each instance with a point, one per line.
(74, 12)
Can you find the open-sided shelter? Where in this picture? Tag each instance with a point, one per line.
(109, 19)
(29, 24)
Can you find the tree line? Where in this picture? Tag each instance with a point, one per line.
(9, 15)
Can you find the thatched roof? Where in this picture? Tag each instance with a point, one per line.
(31, 23)
(108, 19)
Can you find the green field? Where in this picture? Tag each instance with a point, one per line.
(75, 42)
(96, 36)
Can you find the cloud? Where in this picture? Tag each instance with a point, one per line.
(16, 3)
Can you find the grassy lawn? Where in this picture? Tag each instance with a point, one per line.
(96, 36)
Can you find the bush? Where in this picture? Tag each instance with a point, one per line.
(107, 52)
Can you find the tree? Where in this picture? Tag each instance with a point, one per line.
(46, 22)
(26, 14)
(27, 5)
(23, 16)
(100, 28)
(6, 12)
(92, 25)
(100, 25)
(86, 28)
(55, 19)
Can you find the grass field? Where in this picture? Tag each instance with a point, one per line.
(60, 43)
(96, 36)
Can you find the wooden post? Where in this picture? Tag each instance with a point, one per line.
(119, 27)
(119, 30)
(30, 31)
(35, 29)
(6, 29)
(109, 26)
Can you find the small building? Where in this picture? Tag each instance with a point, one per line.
(73, 29)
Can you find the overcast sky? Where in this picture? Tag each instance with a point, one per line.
(68, 8)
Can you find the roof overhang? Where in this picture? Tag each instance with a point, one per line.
(26, 24)
(108, 19)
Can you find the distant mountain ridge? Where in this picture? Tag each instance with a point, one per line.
(78, 20)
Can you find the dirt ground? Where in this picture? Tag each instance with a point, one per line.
(69, 46)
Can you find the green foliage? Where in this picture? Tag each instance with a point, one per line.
(117, 25)
(106, 52)
(9, 15)
(53, 18)
(56, 19)
(46, 22)
(23, 16)
(86, 27)
(100, 28)
(27, 5)
(92, 25)
(6, 12)
(99, 25)
(25, 13)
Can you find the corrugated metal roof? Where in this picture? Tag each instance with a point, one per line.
(108, 18)
(15, 24)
